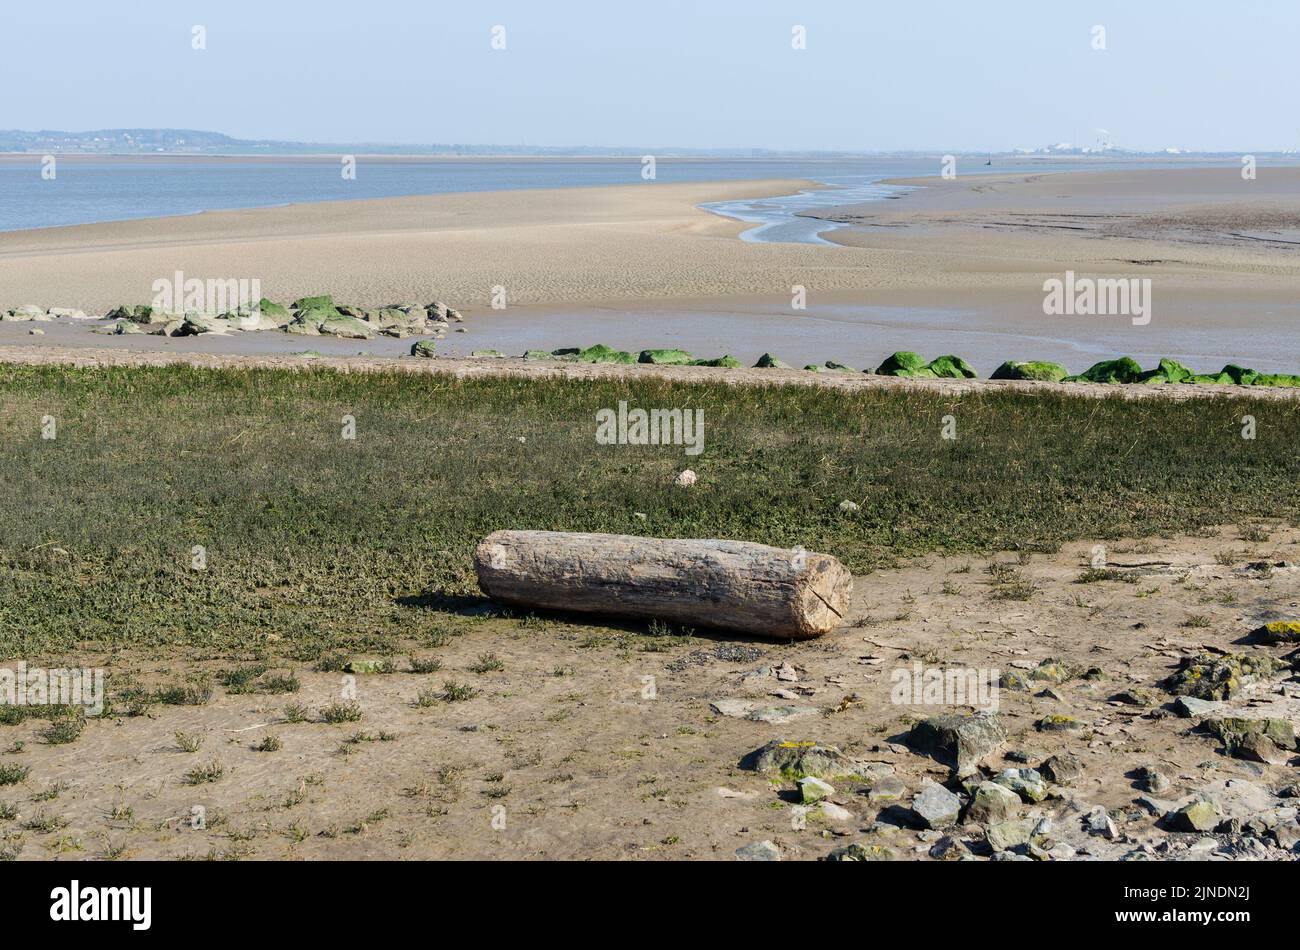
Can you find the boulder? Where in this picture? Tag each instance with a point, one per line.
(1200, 815)
(759, 851)
(951, 367)
(425, 349)
(321, 302)
(768, 361)
(1026, 783)
(1036, 370)
(1167, 371)
(958, 741)
(1279, 631)
(1213, 677)
(796, 760)
(1123, 370)
(348, 328)
(488, 354)
(813, 789)
(600, 353)
(1240, 375)
(902, 363)
(838, 367)
(665, 357)
(1015, 833)
(728, 361)
(1062, 768)
(273, 311)
(992, 803)
(935, 807)
(862, 852)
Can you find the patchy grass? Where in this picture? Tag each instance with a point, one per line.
(318, 546)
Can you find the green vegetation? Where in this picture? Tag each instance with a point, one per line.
(317, 545)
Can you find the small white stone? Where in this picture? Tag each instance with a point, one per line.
(684, 479)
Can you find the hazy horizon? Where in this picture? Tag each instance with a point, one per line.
(1019, 75)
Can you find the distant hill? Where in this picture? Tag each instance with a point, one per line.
(197, 142)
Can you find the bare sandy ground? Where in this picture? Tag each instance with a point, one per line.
(562, 752)
(955, 266)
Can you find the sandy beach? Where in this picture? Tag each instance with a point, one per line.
(952, 266)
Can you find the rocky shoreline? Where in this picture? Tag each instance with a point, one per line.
(321, 316)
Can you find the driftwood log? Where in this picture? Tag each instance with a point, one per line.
(731, 585)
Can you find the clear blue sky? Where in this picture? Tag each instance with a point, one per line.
(712, 73)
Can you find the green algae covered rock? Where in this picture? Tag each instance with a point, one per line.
(666, 357)
(425, 349)
(768, 361)
(600, 353)
(1168, 371)
(813, 368)
(1240, 374)
(1276, 379)
(347, 328)
(488, 354)
(1219, 379)
(537, 355)
(138, 314)
(951, 367)
(269, 308)
(1036, 369)
(902, 363)
(839, 367)
(323, 302)
(728, 361)
(1123, 370)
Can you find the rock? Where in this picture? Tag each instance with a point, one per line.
(759, 851)
(488, 354)
(425, 349)
(992, 803)
(951, 367)
(785, 673)
(36, 331)
(600, 353)
(847, 507)
(935, 807)
(860, 852)
(1167, 371)
(1279, 631)
(890, 788)
(1048, 671)
(1287, 837)
(1209, 676)
(537, 355)
(1134, 697)
(957, 740)
(949, 848)
(1026, 783)
(1190, 706)
(768, 361)
(902, 363)
(685, 479)
(1199, 815)
(322, 302)
(833, 812)
(728, 361)
(273, 311)
(436, 310)
(813, 789)
(347, 328)
(796, 760)
(1099, 822)
(1123, 370)
(68, 313)
(1062, 768)
(1058, 723)
(28, 312)
(665, 357)
(758, 712)
(1036, 370)
(1234, 730)
(1153, 781)
(1006, 835)
(1254, 747)
(839, 367)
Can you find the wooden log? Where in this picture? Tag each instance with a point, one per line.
(731, 585)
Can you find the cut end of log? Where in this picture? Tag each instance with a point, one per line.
(728, 585)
